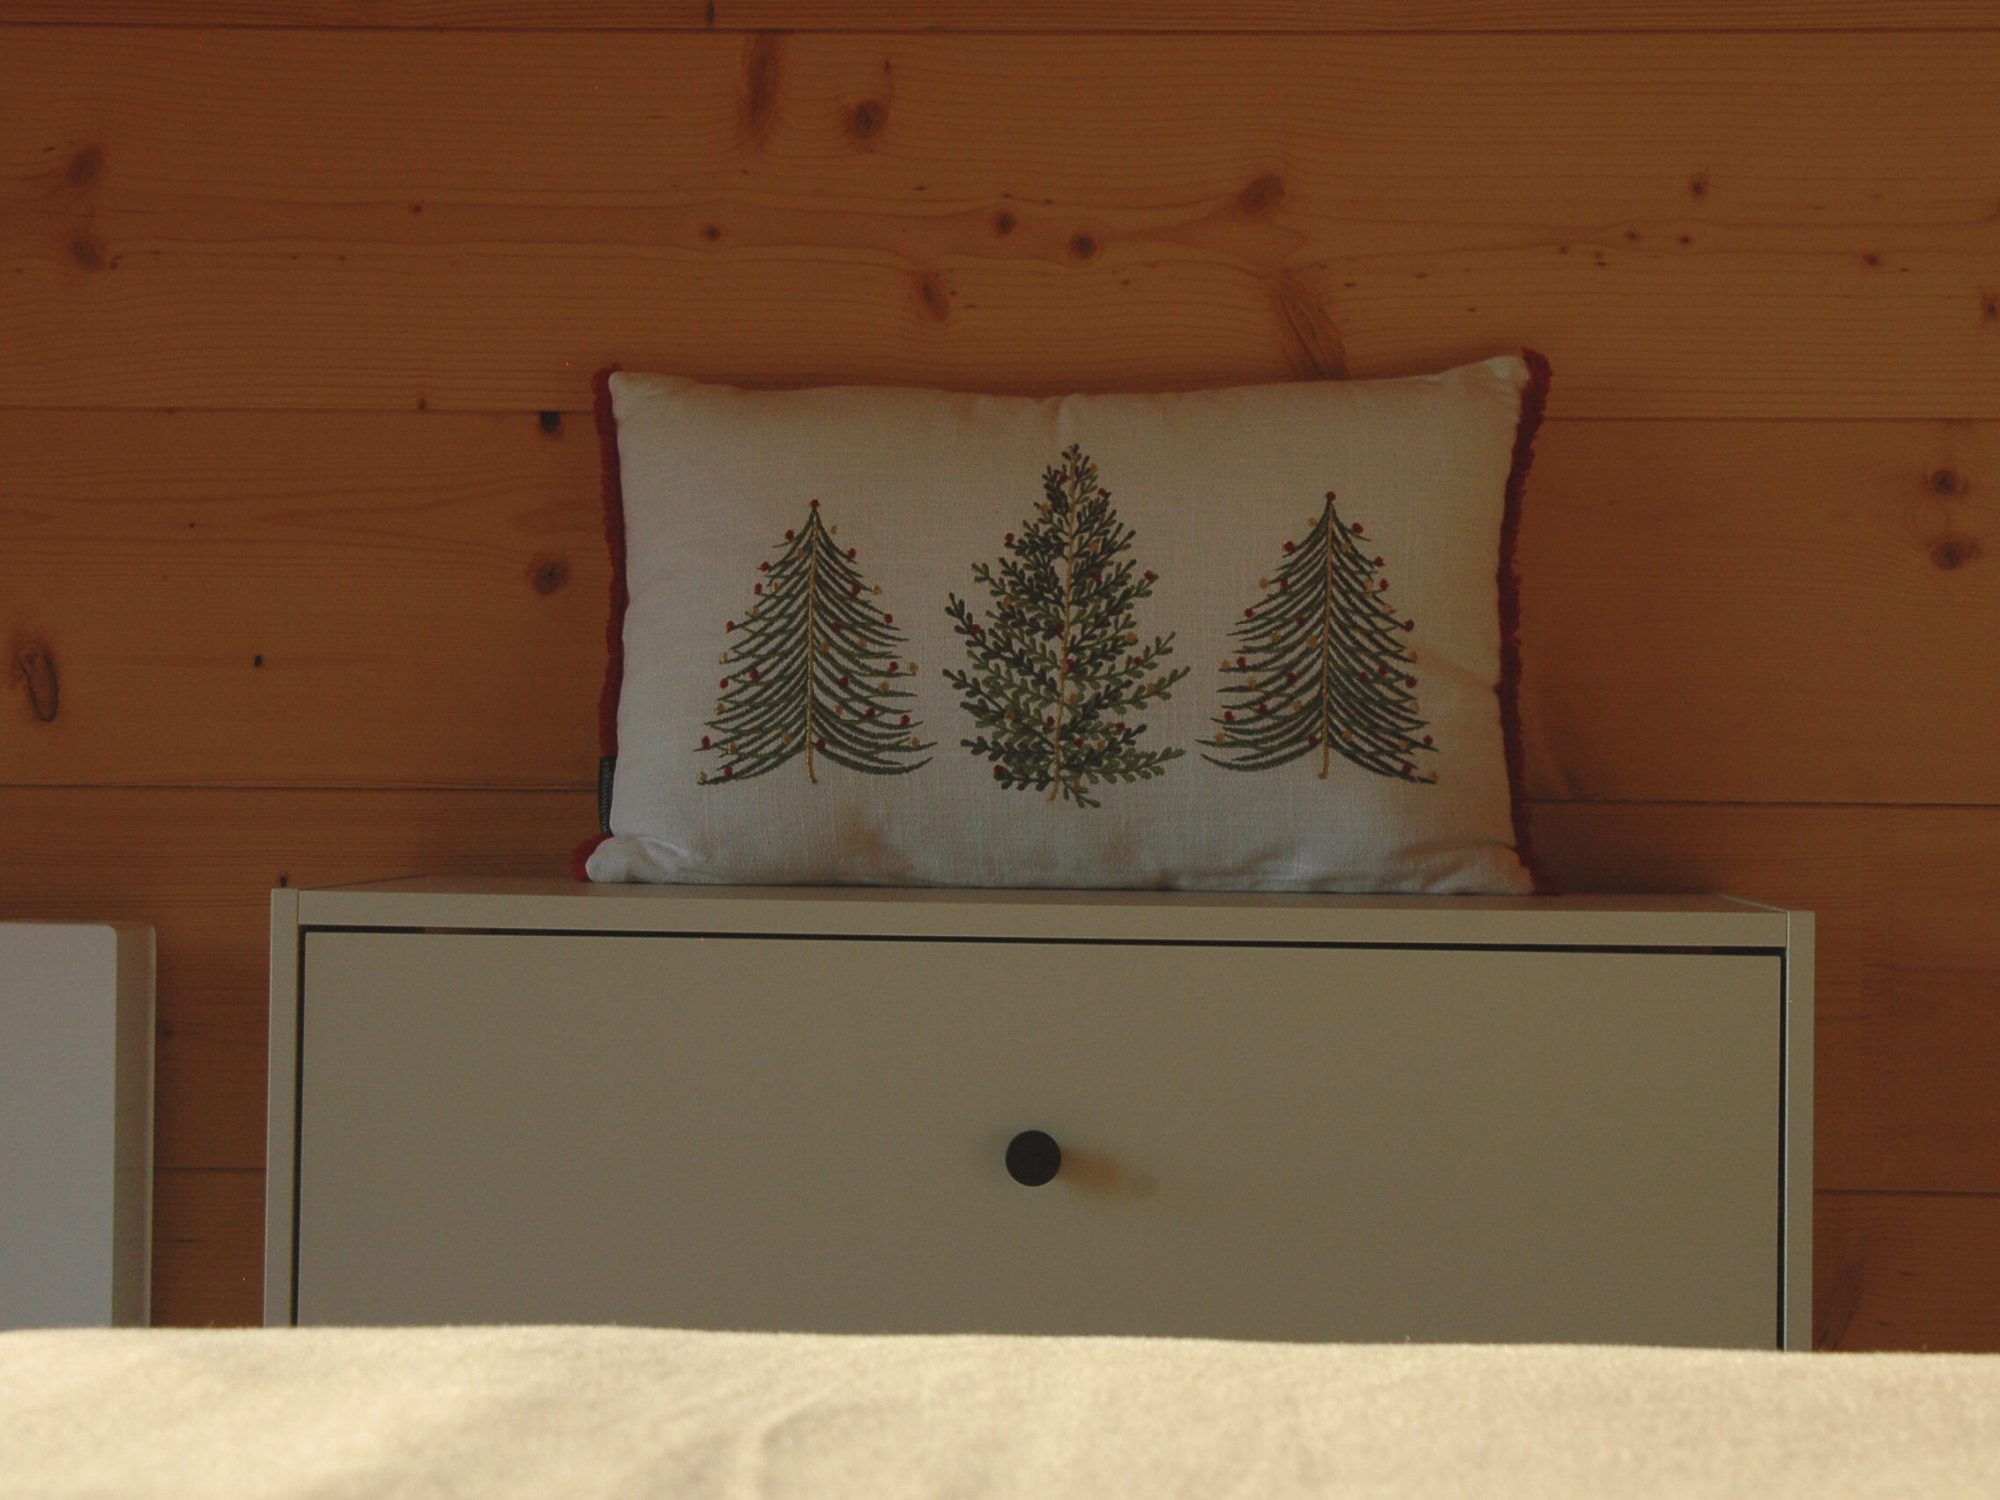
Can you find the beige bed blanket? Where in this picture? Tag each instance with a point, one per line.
(580, 1413)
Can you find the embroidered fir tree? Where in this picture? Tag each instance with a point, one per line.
(814, 670)
(1057, 678)
(1322, 664)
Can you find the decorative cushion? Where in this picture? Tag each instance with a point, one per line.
(1255, 638)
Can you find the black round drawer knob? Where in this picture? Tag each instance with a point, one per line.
(1033, 1158)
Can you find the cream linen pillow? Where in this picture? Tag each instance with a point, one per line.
(1256, 638)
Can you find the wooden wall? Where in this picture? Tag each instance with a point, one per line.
(300, 577)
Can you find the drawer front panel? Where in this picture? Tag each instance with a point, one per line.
(1258, 1142)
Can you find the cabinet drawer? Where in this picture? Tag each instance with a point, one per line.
(1258, 1141)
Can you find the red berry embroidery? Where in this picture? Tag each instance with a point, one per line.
(1409, 682)
(1355, 528)
(725, 682)
(788, 535)
(704, 742)
(1291, 546)
(1010, 542)
(998, 774)
(730, 625)
(815, 505)
(888, 619)
(1228, 717)
(1249, 614)
(850, 554)
(1150, 576)
(906, 720)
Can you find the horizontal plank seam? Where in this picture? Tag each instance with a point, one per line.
(1054, 33)
(181, 1169)
(1896, 1192)
(1982, 418)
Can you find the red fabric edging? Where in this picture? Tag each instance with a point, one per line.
(614, 629)
(1534, 400)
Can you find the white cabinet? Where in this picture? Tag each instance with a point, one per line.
(1282, 1118)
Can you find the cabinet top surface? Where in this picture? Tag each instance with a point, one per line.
(502, 904)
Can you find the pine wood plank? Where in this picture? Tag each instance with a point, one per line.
(212, 591)
(1689, 225)
(1908, 1061)
(1762, 612)
(200, 865)
(1909, 1047)
(1703, 603)
(208, 1245)
(1906, 1271)
(1034, 15)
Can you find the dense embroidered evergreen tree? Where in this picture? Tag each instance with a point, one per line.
(813, 668)
(1057, 677)
(1323, 664)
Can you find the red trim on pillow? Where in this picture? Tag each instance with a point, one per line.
(1534, 400)
(579, 857)
(614, 630)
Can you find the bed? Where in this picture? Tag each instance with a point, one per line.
(598, 1412)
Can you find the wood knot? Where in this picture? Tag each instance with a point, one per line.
(547, 573)
(1698, 185)
(1004, 223)
(1989, 307)
(1083, 246)
(1262, 195)
(87, 250)
(1872, 261)
(1953, 552)
(1945, 481)
(711, 232)
(866, 119)
(932, 295)
(85, 166)
(35, 665)
(551, 422)
(416, 205)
